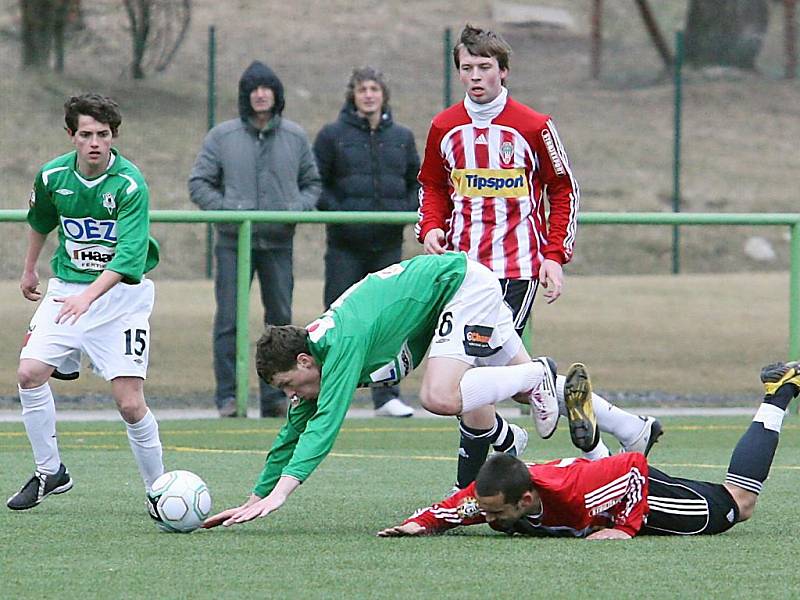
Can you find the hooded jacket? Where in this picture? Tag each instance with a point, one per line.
(366, 170)
(242, 168)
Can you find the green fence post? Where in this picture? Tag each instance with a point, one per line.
(794, 293)
(676, 157)
(212, 116)
(447, 47)
(243, 317)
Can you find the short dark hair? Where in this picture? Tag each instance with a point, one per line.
(277, 349)
(505, 474)
(362, 74)
(482, 42)
(101, 108)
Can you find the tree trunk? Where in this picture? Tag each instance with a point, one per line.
(139, 17)
(37, 29)
(725, 32)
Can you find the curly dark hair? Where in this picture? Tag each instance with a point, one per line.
(482, 42)
(101, 108)
(505, 474)
(277, 349)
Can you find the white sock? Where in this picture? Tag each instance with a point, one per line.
(599, 451)
(146, 447)
(489, 385)
(39, 416)
(770, 416)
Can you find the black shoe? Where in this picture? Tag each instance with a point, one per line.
(580, 413)
(39, 487)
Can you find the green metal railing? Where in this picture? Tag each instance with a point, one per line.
(247, 218)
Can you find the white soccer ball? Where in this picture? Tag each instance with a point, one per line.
(179, 501)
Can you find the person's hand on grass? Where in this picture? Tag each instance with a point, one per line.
(220, 518)
(406, 529)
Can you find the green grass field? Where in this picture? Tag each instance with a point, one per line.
(97, 541)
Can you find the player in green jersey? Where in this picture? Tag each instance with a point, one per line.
(376, 333)
(98, 302)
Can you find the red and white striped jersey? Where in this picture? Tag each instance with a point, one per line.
(578, 496)
(484, 184)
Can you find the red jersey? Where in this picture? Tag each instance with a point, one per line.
(484, 184)
(578, 497)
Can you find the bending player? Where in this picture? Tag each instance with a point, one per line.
(620, 496)
(98, 301)
(378, 332)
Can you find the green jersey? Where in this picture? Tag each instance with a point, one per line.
(103, 223)
(376, 333)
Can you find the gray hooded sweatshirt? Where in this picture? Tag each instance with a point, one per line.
(242, 168)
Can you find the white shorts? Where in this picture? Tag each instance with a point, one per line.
(114, 333)
(476, 326)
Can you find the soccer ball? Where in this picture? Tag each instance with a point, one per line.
(179, 501)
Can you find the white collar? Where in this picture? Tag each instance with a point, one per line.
(484, 113)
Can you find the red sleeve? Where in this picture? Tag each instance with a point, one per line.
(435, 204)
(459, 509)
(563, 193)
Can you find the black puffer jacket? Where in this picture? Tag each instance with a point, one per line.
(369, 170)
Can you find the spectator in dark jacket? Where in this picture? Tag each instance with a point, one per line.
(259, 161)
(367, 163)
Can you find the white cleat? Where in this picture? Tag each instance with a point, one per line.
(520, 440)
(651, 431)
(544, 402)
(394, 408)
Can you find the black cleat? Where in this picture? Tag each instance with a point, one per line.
(777, 374)
(39, 487)
(580, 413)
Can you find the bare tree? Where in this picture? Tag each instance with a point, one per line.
(157, 29)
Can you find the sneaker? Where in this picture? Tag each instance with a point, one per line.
(544, 402)
(394, 408)
(580, 414)
(39, 487)
(520, 440)
(228, 408)
(775, 375)
(651, 431)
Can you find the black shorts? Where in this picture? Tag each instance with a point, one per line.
(687, 507)
(519, 295)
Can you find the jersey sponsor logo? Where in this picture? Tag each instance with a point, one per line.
(468, 508)
(499, 183)
(64, 192)
(87, 229)
(555, 159)
(89, 257)
(476, 341)
(108, 202)
(507, 151)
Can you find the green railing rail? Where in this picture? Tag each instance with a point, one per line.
(245, 219)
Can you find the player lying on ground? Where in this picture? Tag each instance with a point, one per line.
(98, 301)
(620, 496)
(377, 333)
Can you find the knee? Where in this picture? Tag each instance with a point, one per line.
(440, 400)
(32, 375)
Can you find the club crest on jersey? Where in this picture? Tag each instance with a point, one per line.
(507, 151)
(468, 508)
(108, 202)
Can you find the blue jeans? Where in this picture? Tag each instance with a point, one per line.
(276, 282)
(343, 267)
